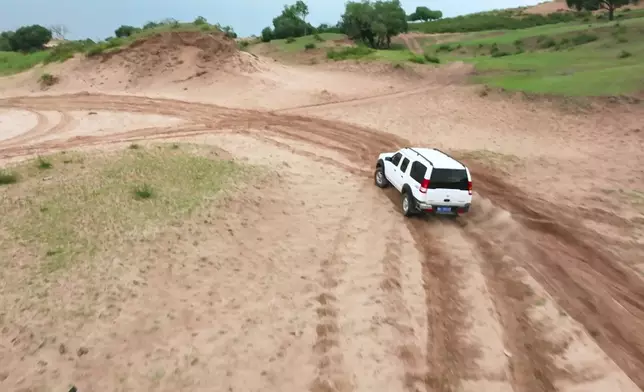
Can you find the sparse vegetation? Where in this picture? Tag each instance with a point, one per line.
(7, 177)
(351, 52)
(624, 54)
(47, 80)
(43, 163)
(309, 46)
(102, 193)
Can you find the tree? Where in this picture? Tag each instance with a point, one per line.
(301, 10)
(125, 31)
(28, 38)
(267, 34)
(594, 5)
(291, 23)
(59, 31)
(374, 23)
(424, 14)
(5, 45)
(200, 20)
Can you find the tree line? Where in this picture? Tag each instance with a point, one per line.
(371, 22)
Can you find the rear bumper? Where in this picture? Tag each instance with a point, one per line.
(433, 208)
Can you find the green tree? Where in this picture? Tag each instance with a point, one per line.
(28, 38)
(594, 5)
(200, 20)
(5, 45)
(301, 10)
(424, 14)
(374, 23)
(125, 31)
(291, 23)
(267, 34)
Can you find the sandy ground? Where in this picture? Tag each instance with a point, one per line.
(319, 283)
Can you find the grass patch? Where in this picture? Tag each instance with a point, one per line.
(89, 208)
(43, 163)
(12, 62)
(349, 53)
(309, 46)
(7, 177)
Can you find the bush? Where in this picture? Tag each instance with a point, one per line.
(318, 38)
(622, 39)
(144, 191)
(7, 178)
(199, 21)
(432, 59)
(267, 34)
(43, 163)
(349, 52)
(414, 58)
(125, 31)
(243, 44)
(66, 51)
(624, 54)
(29, 38)
(290, 40)
(47, 80)
(500, 53)
(445, 48)
(548, 43)
(584, 38)
(309, 46)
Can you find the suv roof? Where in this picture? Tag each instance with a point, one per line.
(436, 158)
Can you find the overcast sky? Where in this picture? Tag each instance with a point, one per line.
(97, 19)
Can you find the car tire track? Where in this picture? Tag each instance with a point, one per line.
(398, 315)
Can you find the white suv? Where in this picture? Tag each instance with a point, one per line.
(430, 180)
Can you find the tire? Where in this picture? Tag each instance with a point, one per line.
(379, 178)
(407, 204)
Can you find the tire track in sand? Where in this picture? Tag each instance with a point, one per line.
(398, 315)
(331, 375)
(42, 124)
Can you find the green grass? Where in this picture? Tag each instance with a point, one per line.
(566, 59)
(12, 62)
(97, 201)
(7, 177)
(300, 43)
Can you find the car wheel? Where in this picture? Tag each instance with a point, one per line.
(408, 208)
(380, 179)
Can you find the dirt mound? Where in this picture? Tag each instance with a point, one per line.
(172, 57)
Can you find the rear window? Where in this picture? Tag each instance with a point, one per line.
(448, 179)
(418, 171)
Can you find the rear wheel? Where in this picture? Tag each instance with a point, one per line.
(408, 205)
(380, 179)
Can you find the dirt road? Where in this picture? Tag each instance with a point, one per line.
(336, 291)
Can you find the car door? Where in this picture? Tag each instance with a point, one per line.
(402, 171)
(391, 170)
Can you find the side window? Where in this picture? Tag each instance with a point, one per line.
(396, 159)
(405, 163)
(418, 171)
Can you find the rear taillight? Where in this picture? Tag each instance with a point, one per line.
(469, 187)
(424, 186)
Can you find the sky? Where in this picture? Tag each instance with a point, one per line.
(97, 19)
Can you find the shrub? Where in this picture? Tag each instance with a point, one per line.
(624, 54)
(200, 21)
(134, 146)
(548, 43)
(48, 79)
(125, 31)
(144, 191)
(622, 39)
(445, 48)
(414, 58)
(290, 40)
(500, 53)
(318, 38)
(432, 59)
(267, 34)
(583, 38)
(243, 44)
(95, 50)
(349, 52)
(309, 46)
(43, 163)
(7, 178)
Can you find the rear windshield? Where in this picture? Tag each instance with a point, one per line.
(448, 179)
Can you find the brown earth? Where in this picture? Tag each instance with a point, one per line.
(311, 279)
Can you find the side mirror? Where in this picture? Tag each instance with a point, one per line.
(388, 159)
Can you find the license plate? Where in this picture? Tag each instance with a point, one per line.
(444, 210)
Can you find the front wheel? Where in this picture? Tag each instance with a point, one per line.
(380, 179)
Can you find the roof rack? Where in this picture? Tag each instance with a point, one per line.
(430, 162)
(442, 152)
